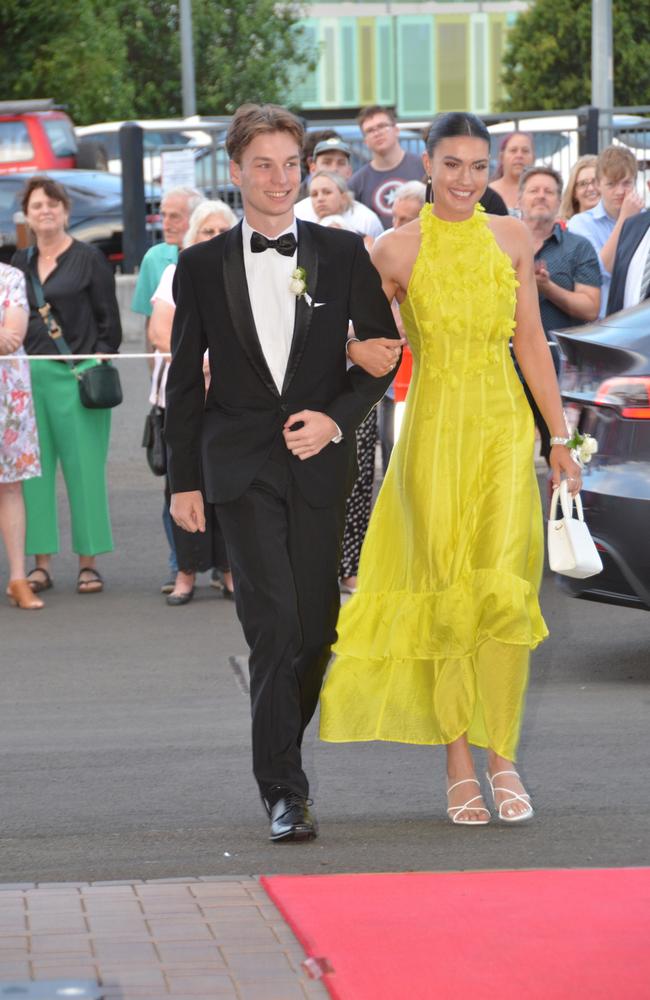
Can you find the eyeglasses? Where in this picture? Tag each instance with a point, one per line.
(378, 128)
(582, 185)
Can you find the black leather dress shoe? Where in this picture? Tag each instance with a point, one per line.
(291, 819)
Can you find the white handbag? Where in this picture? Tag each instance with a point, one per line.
(571, 549)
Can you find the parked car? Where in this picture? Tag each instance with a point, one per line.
(95, 216)
(159, 134)
(38, 135)
(605, 384)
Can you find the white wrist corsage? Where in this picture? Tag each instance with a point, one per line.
(583, 447)
(298, 282)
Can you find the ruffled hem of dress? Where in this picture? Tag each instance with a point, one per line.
(407, 625)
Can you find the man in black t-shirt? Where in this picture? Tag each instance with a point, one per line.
(375, 183)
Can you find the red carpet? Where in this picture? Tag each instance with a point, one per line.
(529, 935)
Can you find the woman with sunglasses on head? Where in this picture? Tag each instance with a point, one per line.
(516, 153)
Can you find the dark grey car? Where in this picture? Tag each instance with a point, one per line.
(95, 215)
(605, 384)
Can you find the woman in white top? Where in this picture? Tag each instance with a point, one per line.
(194, 552)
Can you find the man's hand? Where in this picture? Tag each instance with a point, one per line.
(542, 277)
(632, 205)
(316, 432)
(377, 356)
(187, 510)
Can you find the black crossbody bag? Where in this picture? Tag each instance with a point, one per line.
(99, 385)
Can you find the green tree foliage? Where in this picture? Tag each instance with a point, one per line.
(113, 59)
(247, 52)
(547, 63)
(71, 51)
(150, 30)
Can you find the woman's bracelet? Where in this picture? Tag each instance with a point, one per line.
(351, 340)
(560, 440)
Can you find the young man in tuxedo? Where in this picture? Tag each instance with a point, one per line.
(273, 444)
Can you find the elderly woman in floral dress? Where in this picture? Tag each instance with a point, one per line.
(19, 455)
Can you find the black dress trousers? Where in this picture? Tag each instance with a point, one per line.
(284, 556)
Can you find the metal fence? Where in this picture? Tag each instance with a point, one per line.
(560, 137)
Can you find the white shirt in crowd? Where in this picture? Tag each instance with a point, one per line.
(161, 364)
(268, 275)
(359, 218)
(632, 295)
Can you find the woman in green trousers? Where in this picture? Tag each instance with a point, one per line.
(79, 287)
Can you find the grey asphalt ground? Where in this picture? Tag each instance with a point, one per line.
(124, 742)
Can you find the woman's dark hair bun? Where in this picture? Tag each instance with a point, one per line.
(452, 124)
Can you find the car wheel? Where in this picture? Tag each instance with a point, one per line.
(92, 155)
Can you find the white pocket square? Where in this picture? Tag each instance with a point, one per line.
(317, 304)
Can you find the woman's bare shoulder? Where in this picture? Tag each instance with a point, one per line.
(397, 241)
(511, 234)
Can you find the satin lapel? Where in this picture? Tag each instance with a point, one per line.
(308, 259)
(239, 304)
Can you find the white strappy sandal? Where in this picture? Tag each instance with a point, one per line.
(454, 811)
(512, 797)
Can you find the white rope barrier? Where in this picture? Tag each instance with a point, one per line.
(80, 357)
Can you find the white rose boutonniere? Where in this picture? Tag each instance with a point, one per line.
(584, 446)
(298, 282)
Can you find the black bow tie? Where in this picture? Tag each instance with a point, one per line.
(285, 244)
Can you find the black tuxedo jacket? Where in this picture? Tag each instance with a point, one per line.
(220, 442)
(633, 231)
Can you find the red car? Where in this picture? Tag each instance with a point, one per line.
(36, 135)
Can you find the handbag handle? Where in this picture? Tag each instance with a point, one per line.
(562, 494)
(54, 331)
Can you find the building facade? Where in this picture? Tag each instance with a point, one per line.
(419, 57)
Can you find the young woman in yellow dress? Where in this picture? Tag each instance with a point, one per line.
(434, 646)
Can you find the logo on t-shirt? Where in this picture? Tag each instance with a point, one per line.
(384, 195)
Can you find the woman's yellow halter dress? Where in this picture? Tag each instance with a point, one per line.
(436, 641)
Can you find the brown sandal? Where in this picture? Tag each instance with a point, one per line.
(92, 584)
(21, 595)
(36, 585)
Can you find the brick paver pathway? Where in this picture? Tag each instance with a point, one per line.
(191, 939)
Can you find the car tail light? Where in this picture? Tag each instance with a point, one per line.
(630, 395)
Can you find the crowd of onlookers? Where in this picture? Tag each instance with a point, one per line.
(591, 244)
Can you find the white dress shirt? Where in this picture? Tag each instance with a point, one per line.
(268, 275)
(635, 270)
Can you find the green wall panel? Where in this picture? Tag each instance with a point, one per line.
(452, 38)
(348, 61)
(415, 65)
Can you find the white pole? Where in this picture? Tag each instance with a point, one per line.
(602, 65)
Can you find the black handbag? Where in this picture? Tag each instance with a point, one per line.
(99, 382)
(99, 386)
(153, 438)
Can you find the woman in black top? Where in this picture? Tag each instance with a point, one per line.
(79, 286)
